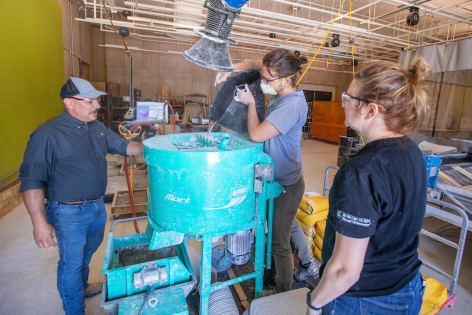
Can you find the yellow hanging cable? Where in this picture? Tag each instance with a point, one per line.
(321, 45)
(351, 41)
(407, 46)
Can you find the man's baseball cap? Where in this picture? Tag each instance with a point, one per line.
(79, 87)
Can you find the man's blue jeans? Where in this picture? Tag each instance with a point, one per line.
(406, 301)
(79, 233)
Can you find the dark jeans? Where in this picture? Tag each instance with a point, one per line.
(79, 233)
(285, 209)
(407, 301)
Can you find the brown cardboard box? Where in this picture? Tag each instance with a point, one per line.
(124, 89)
(101, 86)
(113, 89)
(163, 90)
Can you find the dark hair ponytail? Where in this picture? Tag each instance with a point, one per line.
(284, 63)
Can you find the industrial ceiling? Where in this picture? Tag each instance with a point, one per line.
(379, 27)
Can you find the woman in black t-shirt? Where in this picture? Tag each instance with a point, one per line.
(378, 200)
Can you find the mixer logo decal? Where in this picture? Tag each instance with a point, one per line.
(238, 195)
(177, 199)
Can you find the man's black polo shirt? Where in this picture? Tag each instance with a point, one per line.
(67, 160)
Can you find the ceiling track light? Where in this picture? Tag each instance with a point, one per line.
(414, 17)
(335, 42)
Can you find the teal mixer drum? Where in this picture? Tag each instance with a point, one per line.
(202, 184)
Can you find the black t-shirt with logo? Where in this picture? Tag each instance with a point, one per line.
(380, 194)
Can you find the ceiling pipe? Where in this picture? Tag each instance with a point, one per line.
(172, 11)
(428, 7)
(290, 19)
(179, 53)
(242, 37)
(154, 21)
(300, 20)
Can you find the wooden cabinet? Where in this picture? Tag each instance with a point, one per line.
(328, 121)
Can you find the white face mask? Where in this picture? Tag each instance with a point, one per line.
(267, 89)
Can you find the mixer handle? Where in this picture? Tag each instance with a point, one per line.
(112, 230)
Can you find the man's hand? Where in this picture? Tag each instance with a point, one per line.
(134, 148)
(221, 77)
(245, 96)
(44, 234)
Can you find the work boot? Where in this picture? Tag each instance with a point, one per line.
(270, 291)
(93, 289)
(309, 271)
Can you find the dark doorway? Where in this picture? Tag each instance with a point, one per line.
(309, 95)
(323, 96)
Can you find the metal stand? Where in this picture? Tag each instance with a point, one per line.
(269, 191)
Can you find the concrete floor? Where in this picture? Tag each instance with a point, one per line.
(28, 274)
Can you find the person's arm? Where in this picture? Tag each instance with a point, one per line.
(240, 66)
(341, 272)
(134, 148)
(43, 232)
(258, 131)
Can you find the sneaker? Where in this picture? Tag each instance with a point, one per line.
(271, 291)
(93, 289)
(310, 272)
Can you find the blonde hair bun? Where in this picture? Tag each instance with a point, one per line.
(419, 69)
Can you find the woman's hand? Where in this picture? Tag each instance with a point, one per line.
(309, 311)
(221, 77)
(244, 96)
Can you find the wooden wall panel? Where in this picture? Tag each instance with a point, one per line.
(328, 121)
(185, 77)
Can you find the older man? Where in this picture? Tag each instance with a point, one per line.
(65, 164)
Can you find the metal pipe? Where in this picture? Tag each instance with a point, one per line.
(440, 43)
(1, 180)
(245, 35)
(269, 233)
(261, 14)
(169, 52)
(427, 7)
(220, 285)
(437, 104)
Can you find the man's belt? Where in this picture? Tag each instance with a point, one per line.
(78, 202)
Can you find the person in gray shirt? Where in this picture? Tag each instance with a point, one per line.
(281, 132)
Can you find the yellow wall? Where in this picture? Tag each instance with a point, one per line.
(31, 74)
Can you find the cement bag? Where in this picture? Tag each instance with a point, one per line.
(320, 228)
(231, 114)
(317, 253)
(435, 295)
(311, 219)
(307, 229)
(318, 241)
(314, 204)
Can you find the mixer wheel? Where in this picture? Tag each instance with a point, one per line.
(218, 252)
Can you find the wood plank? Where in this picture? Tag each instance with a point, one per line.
(239, 290)
(463, 171)
(448, 179)
(115, 209)
(10, 197)
(135, 171)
